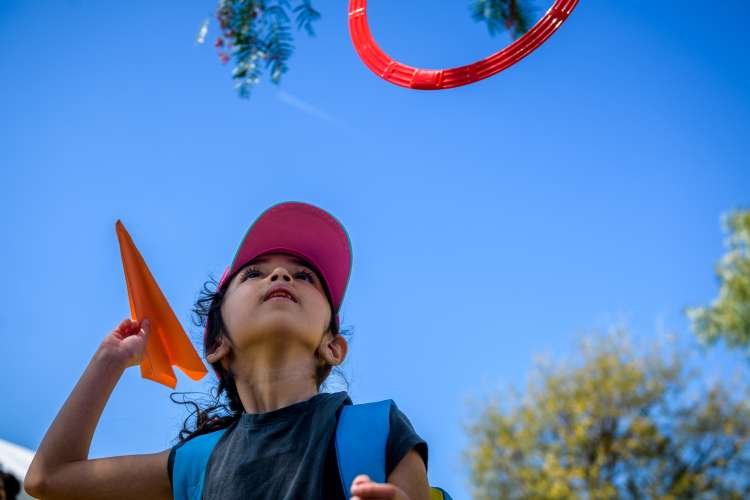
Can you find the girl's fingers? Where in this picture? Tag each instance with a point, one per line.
(135, 327)
(122, 329)
(141, 329)
(362, 478)
(128, 328)
(123, 325)
(371, 491)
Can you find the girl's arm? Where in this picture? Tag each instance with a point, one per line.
(408, 481)
(410, 475)
(61, 468)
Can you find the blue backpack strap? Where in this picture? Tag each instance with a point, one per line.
(190, 461)
(361, 440)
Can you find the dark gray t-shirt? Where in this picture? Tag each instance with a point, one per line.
(290, 453)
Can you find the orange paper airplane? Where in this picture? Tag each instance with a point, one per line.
(167, 344)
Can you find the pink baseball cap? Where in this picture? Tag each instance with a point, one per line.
(305, 231)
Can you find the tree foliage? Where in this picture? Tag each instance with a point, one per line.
(514, 16)
(728, 316)
(615, 424)
(257, 34)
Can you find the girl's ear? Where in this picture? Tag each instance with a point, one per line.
(219, 353)
(333, 349)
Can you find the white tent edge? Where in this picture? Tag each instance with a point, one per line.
(16, 460)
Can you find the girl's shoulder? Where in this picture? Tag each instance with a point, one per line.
(387, 418)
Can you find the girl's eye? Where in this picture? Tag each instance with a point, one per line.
(306, 275)
(250, 273)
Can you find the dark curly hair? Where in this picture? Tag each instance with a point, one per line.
(222, 406)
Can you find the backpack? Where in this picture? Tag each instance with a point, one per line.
(361, 437)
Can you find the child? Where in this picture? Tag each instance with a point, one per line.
(272, 337)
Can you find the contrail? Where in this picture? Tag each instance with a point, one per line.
(308, 108)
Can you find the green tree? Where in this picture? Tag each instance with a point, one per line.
(257, 34)
(616, 423)
(728, 316)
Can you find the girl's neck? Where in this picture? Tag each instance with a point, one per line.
(265, 385)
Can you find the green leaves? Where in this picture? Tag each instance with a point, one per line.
(278, 41)
(615, 422)
(728, 316)
(257, 35)
(306, 15)
(515, 16)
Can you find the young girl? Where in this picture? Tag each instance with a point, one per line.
(272, 337)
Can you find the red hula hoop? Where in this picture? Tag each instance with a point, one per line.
(436, 79)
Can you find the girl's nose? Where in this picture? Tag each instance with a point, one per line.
(280, 273)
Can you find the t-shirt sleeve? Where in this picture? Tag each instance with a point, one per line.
(171, 462)
(401, 439)
(170, 465)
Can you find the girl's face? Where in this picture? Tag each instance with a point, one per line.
(276, 298)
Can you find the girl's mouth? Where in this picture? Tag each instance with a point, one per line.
(280, 297)
(280, 292)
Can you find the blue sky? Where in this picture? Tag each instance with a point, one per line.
(492, 223)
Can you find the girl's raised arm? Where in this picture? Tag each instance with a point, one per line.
(61, 468)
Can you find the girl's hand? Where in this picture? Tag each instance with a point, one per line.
(363, 488)
(127, 342)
